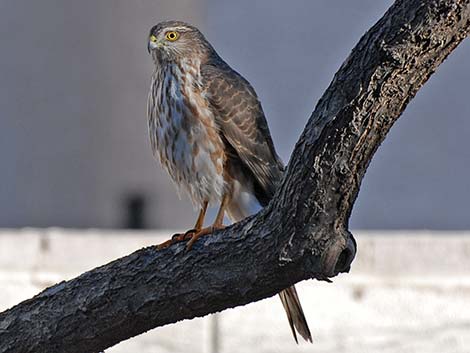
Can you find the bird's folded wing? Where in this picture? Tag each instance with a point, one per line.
(240, 118)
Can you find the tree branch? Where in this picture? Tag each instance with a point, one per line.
(302, 234)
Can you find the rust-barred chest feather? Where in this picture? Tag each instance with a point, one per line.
(183, 132)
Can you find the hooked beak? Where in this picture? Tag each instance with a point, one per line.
(151, 46)
(152, 43)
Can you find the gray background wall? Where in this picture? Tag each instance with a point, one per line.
(73, 86)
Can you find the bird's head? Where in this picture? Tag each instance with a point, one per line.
(171, 41)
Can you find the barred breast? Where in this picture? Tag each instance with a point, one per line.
(183, 133)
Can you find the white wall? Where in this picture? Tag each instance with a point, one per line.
(407, 292)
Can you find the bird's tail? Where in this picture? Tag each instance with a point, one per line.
(295, 314)
(243, 204)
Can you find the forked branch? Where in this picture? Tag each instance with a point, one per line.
(302, 234)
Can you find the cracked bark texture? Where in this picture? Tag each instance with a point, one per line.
(303, 233)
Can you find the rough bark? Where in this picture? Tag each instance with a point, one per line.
(302, 234)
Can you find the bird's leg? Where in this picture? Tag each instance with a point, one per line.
(178, 237)
(200, 220)
(218, 224)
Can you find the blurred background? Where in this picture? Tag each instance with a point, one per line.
(74, 78)
(74, 148)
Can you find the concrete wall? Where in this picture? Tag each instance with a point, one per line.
(407, 292)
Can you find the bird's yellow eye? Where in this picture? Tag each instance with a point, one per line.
(172, 36)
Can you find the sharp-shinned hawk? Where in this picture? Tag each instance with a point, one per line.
(209, 132)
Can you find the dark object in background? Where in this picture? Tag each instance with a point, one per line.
(135, 205)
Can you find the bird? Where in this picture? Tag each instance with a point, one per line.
(209, 132)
